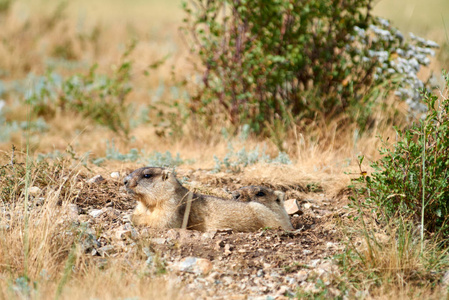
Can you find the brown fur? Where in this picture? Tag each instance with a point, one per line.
(162, 203)
(274, 200)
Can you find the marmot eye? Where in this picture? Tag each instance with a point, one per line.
(260, 194)
(147, 175)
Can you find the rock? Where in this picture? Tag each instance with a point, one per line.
(129, 227)
(96, 179)
(260, 273)
(290, 280)
(158, 241)
(194, 265)
(115, 175)
(302, 275)
(73, 210)
(34, 190)
(314, 262)
(172, 234)
(330, 245)
(292, 207)
(306, 252)
(122, 234)
(266, 265)
(307, 206)
(96, 213)
(127, 218)
(227, 280)
(214, 276)
(328, 267)
(445, 280)
(88, 242)
(283, 290)
(105, 250)
(310, 287)
(208, 235)
(227, 249)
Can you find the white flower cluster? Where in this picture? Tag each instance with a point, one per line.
(397, 57)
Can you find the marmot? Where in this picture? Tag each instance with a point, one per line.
(162, 201)
(274, 200)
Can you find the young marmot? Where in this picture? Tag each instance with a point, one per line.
(274, 200)
(162, 202)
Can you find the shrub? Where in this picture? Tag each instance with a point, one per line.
(412, 177)
(235, 161)
(154, 159)
(95, 96)
(264, 61)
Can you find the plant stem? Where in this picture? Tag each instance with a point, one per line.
(423, 188)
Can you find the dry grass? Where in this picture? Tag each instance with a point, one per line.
(387, 261)
(42, 256)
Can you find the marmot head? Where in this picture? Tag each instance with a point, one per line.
(151, 185)
(273, 200)
(259, 194)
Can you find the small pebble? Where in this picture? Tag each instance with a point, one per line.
(96, 179)
(115, 175)
(96, 213)
(34, 190)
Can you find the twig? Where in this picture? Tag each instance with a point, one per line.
(187, 212)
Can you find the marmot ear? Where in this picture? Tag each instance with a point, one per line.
(280, 195)
(166, 174)
(235, 195)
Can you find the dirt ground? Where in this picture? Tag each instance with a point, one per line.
(268, 264)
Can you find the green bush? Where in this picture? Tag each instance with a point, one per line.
(93, 95)
(412, 177)
(270, 60)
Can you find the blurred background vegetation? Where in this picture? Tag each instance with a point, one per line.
(83, 73)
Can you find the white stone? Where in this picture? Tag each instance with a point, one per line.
(158, 241)
(115, 175)
(96, 213)
(34, 190)
(194, 265)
